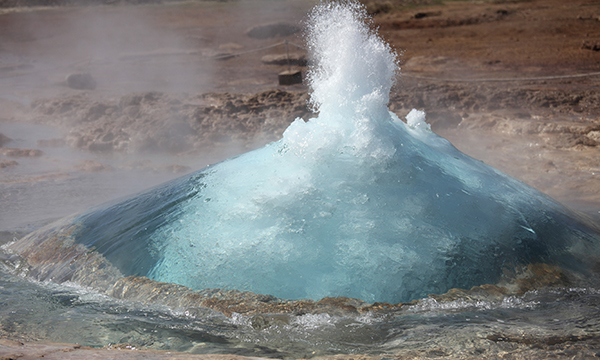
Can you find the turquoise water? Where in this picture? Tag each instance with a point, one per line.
(353, 203)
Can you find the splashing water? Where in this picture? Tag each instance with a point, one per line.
(352, 203)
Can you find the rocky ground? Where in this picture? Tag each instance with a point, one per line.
(166, 87)
(513, 83)
(548, 348)
(156, 122)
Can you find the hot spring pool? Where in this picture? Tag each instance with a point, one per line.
(328, 241)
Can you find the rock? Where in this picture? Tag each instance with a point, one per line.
(594, 135)
(4, 139)
(7, 163)
(14, 152)
(93, 166)
(152, 121)
(549, 165)
(296, 59)
(567, 140)
(96, 111)
(81, 81)
(261, 322)
(100, 147)
(271, 30)
(230, 47)
(290, 77)
(591, 45)
(223, 55)
(443, 119)
(10, 349)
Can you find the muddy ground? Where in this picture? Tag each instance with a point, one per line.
(100, 101)
(175, 86)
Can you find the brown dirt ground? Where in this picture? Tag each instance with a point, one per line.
(495, 77)
(543, 131)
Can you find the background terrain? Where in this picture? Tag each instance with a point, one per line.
(168, 87)
(99, 99)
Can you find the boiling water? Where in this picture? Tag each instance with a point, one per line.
(536, 324)
(354, 203)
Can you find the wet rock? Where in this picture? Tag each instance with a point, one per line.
(230, 47)
(158, 122)
(7, 163)
(131, 100)
(4, 139)
(549, 166)
(443, 119)
(594, 135)
(261, 322)
(10, 236)
(296, 59)
(271, 30)
(223, 55)
(93, 166)
(14, 152)
(100, 147)
(464, 96)
(591, 45)
(530, 339)
(57, 106)
(81, 81)
(421, 14)
(571, 140)
(11, 349)
(97, 110)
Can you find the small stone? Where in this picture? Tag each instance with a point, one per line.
(594, 135)
(290, 77)
(15, 152)
(591, 45)
(296, 59)
(93, 166)
(7, 163)
(4, 139)
(271, 30)
(81, 81)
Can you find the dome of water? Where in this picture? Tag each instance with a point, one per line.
(354, 202)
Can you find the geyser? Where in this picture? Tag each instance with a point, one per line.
(354, 202)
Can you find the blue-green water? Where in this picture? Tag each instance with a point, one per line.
(353, 203)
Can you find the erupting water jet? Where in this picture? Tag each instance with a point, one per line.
(354, 202)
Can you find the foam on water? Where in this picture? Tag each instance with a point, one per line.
(352, 203)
